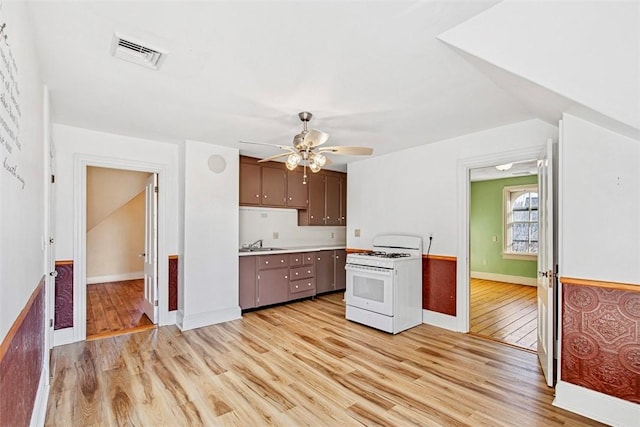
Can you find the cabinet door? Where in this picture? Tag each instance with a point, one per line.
(324, 271)
(315, 211)
(247, 282)
(250, 184)
(340, 257)
(297, 191)
(274, 186)
(333, 199)
(343, 200)
(273, 286)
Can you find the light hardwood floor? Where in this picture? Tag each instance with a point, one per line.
(299, 364)
(504, 312)
(115, 308)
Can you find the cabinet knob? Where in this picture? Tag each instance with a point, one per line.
(286, 277)
(290, 198)
(296, 286)
(281, 260)
(257, 195)
(318, 259)
(266, 262)
(309, 271)
(311, 216)
(328, 217)
(296, 273)
(309, 284)
(265, 196)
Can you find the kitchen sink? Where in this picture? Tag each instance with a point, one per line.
(259, 249)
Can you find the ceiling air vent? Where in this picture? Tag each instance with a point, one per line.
(129, 49)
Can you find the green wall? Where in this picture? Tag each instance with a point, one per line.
(486, 221)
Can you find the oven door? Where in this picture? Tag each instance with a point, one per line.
(370, 288)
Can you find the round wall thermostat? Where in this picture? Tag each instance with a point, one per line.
(217, 164)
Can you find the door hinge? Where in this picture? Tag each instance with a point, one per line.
(155, 188)
(53, 179)
(155, 303)
(51, 323)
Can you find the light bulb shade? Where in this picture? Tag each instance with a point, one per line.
(290, 166)
(314, 167)
(293, 160)
(319, 160)
(504, 167)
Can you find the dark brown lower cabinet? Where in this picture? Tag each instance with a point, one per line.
(247, 281)
(330, 273)
(273, 279)
(273, 286)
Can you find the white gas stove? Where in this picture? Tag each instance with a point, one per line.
(384, 286)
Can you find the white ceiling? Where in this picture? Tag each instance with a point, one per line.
(372, 73)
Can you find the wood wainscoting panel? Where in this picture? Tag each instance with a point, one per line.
(21, 355)
(601, 339)
(439, 284)
(173, 282)
(63, 317)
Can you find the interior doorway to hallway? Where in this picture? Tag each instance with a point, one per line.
(117, 251)
(503, 239)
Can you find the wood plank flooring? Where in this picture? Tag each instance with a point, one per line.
(116, 307)
(299, 364)
(504, 312)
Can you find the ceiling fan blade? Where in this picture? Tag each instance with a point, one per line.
(276, 156)
(282, 147)
(349, 151)
(315, 137)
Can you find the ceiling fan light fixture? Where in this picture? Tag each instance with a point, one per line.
(293, 160)
(319, 159)
(314, 167)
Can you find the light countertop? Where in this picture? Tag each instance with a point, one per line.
(294, 249)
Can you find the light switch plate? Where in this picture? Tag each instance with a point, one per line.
(356, 232)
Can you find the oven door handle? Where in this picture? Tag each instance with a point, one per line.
(369, 269)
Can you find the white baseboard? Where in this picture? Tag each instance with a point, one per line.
(171, 317)
(40, 404)
(595, 405)
(440, 320)
(208, 318)
(63, 336)
(519, 280)
(115, 277)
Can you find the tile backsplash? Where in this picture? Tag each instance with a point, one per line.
(264, 223)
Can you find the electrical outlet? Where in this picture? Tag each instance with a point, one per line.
(276, 235)
(356, 232)
(494, 238)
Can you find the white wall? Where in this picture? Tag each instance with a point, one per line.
(73, 141)
(114, 245)
(260, 223)
(587, 51)
(209, 285)
(600, 203)
(415, 191)
(21, 206)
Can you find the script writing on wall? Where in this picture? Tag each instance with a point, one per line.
(10, 112)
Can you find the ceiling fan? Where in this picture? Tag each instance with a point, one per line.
(306, 150)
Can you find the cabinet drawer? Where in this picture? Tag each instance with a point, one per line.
(307, 258)
(305, 285)
(303, 272)
(273, 261)
(296, 259)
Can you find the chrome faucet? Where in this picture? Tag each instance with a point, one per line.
(257, 242)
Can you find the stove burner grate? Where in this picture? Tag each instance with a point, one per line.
(380, 254)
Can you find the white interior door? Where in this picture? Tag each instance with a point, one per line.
(151, 249)
(546, 276)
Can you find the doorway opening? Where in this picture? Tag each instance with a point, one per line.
(503, 248)
(120, 242)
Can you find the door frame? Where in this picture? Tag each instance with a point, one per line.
(80, 164)
(464, 166)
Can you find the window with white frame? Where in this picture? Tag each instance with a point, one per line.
(520, 221)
